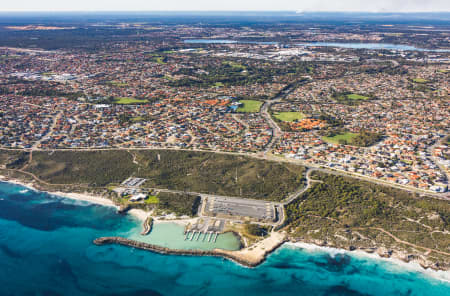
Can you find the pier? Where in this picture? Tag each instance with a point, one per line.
(207, 230)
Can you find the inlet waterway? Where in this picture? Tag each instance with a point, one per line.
(46, 249)
(362, 45)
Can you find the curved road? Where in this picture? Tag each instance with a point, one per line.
(276, 131)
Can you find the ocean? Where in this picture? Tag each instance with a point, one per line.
(46, 249)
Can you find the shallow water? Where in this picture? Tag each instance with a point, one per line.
(46, 249)
(171, 235)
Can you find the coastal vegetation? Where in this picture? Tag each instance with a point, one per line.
(152, 199)
(346, 212)
(201, 172)
(13, 158)
(95, 168)
(221, 174)
(182, 204)
(257, 230)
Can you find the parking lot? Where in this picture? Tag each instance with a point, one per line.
(241, 207)
(133, 182)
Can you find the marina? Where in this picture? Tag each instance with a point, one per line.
(209, 229)
(200, 237)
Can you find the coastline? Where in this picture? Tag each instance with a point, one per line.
(71, 195)
(257, 253)
(246, 257)
(413, 265)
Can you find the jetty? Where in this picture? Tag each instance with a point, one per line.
(207, 230)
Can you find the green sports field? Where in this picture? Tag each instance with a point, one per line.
(288, 116)
(250, 106)
(335, 139)
(420, 80)
(356, 97)
(128, 101)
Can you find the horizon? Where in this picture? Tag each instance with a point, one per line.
(228, 11)
(381, 6)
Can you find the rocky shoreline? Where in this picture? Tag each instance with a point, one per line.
(382, 252)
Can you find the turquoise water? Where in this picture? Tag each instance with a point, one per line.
(171, 235)
(46, 249)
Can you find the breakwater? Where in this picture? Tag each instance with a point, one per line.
(147, 226)
(244, 259)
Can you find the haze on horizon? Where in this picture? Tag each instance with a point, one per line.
(230, 5)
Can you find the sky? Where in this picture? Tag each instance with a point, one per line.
(228, 5)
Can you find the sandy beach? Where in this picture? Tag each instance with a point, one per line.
(77, 196)
(95, 199)
(258, 251)
(138, 213)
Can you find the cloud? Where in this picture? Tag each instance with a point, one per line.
(230, 5)
(376, 6)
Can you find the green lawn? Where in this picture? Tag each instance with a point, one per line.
(137, 119)
(335, 139)
(128, 101)
(118, 84)
(218, 84)
(152, 199)
(444, 71)
(250, 106)
(160, 60)
(288, 116)
(235, 65)
(357, 97)
(420, 80)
